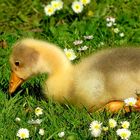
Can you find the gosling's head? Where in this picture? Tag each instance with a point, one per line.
(24, 61)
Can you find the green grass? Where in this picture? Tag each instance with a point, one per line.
(26, 18)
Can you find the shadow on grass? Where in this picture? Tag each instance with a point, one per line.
(28, 88)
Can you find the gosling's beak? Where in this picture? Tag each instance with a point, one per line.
(15, 82)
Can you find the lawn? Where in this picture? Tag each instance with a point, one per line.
(100, 24)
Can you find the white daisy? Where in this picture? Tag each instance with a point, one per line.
(109, 24)
(41, 132)
(17, 119)
(35, 122)
(121, 34)
(57, 4)
(95, 125)
(49, 10)
(116, 30)
(70, 54)
(110, 19)
(77, 7)
(23, 133)
(105, 128)
(95, 128)
(88, 37)
(112, 123)
(130, 101)
(124, 133)
(78, 42)
(125, 124)
(38, 111)
(84, 48)
(85, 2)
(61, 134)
(96, 132)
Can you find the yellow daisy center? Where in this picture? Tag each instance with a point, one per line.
(68, 55)
(124, 135)
(23, 135)
(84, 1)
(111, 124)
(131, 103)
(77, 7)
(50, 10)
(97, 126)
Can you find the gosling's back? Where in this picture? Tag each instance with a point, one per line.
(112, 74)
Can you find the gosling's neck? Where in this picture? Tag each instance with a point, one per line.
(53, 61)
(59, 84)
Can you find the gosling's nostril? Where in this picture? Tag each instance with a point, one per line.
(11, 83)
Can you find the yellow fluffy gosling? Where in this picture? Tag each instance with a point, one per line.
(111, 75)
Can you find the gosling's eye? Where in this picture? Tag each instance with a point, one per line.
(17, 63)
